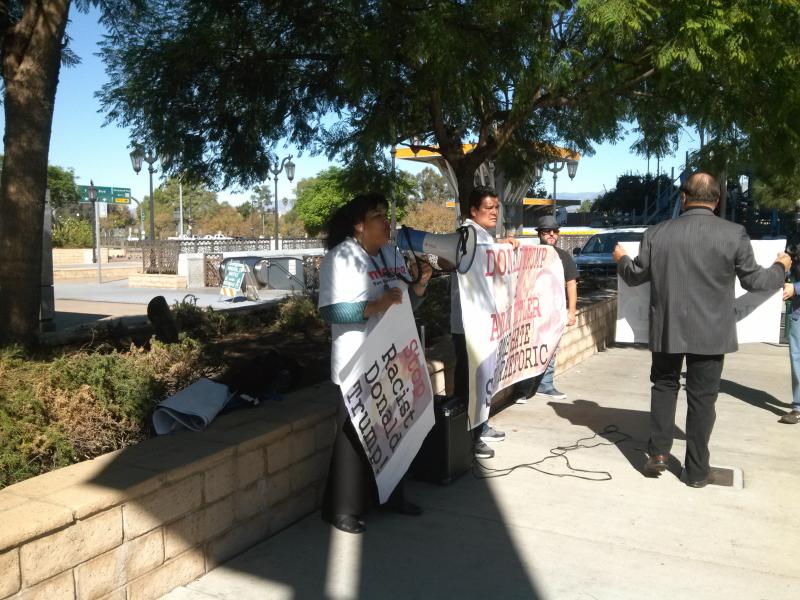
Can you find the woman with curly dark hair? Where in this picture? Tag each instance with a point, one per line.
(355, 291)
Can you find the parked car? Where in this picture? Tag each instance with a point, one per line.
(594, 259)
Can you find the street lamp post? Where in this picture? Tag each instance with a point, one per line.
(554, 166)
(287, 162)
(92, 191)
(136, 160)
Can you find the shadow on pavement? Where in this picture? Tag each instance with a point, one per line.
(635, 423)
(64, 320)
(754, 397)
(444, 553)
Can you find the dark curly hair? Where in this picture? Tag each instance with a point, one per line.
(342, 223)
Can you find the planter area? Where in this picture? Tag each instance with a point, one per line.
(139, 522)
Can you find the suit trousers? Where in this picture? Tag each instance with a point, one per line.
(702, 387)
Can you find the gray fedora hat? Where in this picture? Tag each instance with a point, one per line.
(547, 222)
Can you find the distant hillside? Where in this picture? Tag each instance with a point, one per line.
(578, 195)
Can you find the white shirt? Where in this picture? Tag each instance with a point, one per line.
(456, 322)
(348, 274)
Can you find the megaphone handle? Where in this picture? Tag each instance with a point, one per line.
(414, 280)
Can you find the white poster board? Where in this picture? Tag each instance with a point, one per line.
(758, 314)
(389, 397)
(514, 312)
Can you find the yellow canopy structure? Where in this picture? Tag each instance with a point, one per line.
(512, 195)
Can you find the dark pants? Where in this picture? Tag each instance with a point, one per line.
(351, 489)
(702, 386)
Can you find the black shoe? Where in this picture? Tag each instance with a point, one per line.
(406, 508)
(347, 523)
(656, 464)
(702, 482)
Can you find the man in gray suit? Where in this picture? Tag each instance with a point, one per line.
(691, 263)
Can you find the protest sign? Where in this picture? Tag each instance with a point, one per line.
(389, 397)
(758, 314)
(514, 312)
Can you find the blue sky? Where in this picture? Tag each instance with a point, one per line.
(79, 140)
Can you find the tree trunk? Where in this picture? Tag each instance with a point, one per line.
(464, 167)
(465, 175)
(32, 59)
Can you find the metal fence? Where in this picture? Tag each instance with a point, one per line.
(211, 265)
(160, 256)
(212, 246)
(302, 243)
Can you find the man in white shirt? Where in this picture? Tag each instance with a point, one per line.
(484, 207)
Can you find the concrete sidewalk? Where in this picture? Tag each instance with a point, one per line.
(531, 535)
(83, 302)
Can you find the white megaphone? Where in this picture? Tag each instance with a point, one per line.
(457, 248)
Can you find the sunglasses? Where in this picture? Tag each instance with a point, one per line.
(548, 230)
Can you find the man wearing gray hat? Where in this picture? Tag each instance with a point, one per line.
(547, 228)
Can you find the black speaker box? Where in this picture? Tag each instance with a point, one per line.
(447, 451)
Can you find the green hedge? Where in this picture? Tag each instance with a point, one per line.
(72, 233)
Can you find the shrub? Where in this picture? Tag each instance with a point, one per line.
(72, 233)
(297, 313)
(84, 404)
(29, 442)
(206, 323)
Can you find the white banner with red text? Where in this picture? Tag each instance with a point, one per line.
(514, 312)
(388, 396)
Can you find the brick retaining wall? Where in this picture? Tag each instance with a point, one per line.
(593, 332)
(76, 256)
(139, 522)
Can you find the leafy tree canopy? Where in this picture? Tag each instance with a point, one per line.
(431, 186)
(537, 190)
(779, 191)
(318, 197)
(61, 182)
(291, 225)
(224, 81)
(630, 193)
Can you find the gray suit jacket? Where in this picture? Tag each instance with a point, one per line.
(691, 263)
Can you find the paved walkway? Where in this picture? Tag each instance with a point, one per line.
(530, 535)
(82, 301)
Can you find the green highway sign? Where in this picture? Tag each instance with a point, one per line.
(109, 195)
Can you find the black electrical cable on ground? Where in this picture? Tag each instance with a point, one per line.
(481, 471)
